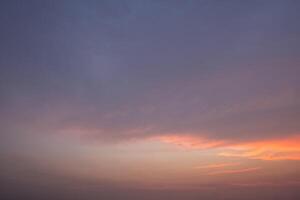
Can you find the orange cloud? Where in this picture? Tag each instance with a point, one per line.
(283, 149)
(219, 165)
(191, 142)
(272, 149)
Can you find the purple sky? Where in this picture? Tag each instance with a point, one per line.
(125, 99)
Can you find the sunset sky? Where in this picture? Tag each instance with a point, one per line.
(150, 100)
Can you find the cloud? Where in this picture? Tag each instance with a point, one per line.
(218, 165)
(280, 149)
(269, 184)
(190, 142)
(273, 149)
(234, 171)
(135, 75)
(199, 75)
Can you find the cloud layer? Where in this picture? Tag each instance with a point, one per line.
(116, 74)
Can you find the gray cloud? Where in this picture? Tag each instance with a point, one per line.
(223, 70)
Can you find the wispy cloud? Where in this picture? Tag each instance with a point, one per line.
(283, 149)
(235, 171)
(191, 142)
(273, 184)
(218, 165)
(272, 149)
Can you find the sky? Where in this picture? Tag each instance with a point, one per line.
(136, 99)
